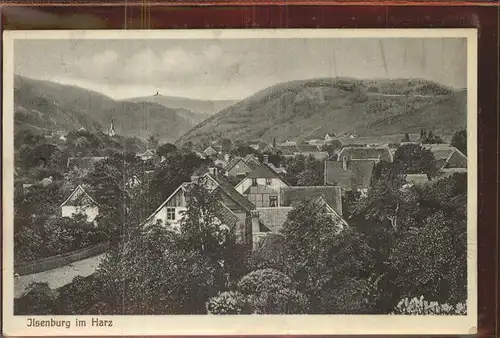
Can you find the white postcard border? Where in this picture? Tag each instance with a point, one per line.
(242, 324)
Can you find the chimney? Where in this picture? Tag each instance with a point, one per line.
(344, 162)
(266, 159)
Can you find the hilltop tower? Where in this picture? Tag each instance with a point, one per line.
(112, 131)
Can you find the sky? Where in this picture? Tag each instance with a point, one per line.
(218, 69)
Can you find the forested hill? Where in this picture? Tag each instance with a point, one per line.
(311, 108)
(202, 108)
(44, 105)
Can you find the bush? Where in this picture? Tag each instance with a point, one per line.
(39, 299)
(265, 291)
(265, 280)
(228, 302)
(420, 306)
(79, 296)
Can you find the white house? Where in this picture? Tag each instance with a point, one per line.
(172, 209)
(147, 155)
(80, 202)
(235, 211)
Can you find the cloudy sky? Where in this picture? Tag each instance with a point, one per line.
(233, 69)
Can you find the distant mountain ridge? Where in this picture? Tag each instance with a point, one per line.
(304, 109)
(202, 107)
(42, 104)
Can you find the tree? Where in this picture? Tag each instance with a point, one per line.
(322, 260)
(389, 204)
(79, 296)
(294, 166)
(428, 137)
(414, 159)
(166, 149)
(201, 230)
(115, 191)
(432, 260)
(459, 141)
(332, 147)
(149, 273)
(312, 175)
(177, 169)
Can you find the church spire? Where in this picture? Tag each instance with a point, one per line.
(112, 131)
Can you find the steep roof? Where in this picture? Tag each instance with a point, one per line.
(77, 196)
(84, 162)
(262, 171)
(227, 188)
(232, 163)
(358, 174)
(273, 218)
(366, 153)
(447, 156)
(291, 196)
(148, 152)
(251, 161)
(226, 216)
(209, 149)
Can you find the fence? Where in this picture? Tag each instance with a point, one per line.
(53, 262)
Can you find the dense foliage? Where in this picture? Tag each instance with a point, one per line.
(403, 242)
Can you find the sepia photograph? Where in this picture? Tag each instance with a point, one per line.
(292, 178)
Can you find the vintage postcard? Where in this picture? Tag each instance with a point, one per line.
(184, 182)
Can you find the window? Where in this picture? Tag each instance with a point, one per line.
(273, 201)
(254, 182)
(268, 181)
(170, 214)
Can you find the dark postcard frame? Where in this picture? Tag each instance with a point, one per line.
(483, 15)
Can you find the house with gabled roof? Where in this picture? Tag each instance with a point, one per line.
(210, 151)
(147, 155)
(350, 175)
(261, 186)
(80, 202)
(237, 167)
(272, 219)
(366, 153)
(447, 156)
(235, 211)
